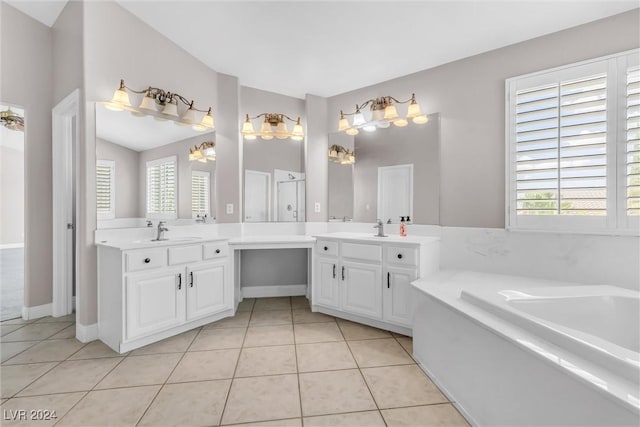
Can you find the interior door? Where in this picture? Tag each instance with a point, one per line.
(257, 193)
(287, 201)
(395, 192)
(206, 290)
(361, 289)
(398, 301)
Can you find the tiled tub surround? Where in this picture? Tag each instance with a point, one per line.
(275, 361)
(556, 345)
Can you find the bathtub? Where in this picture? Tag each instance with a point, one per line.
(511, 350)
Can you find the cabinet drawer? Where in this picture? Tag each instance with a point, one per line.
(361, 251)
(215, 250)
(401, 255)
(184, 254)
(146, 259)
(326, 247)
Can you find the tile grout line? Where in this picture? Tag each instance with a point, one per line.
(295, 353)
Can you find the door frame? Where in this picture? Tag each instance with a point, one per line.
(268, 175)
(64, 133)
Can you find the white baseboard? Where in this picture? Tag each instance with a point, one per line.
(12, 246)
(86, 333)
(273, 291)
(36, 312)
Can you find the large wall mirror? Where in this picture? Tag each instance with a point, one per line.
(144, 171)
(396, 173)
(274, 181)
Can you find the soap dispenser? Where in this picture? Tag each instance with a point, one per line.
(403, 227)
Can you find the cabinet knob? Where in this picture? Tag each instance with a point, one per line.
(326, 248)
(399, 256)
(217, 251)
(147, 260)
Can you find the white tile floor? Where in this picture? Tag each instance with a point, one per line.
(273, 364)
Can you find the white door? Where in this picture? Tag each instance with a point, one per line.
(257, 195)
(154, 302)
(287, 201)
(361, 289)
(326, 290)
(398, 302)
(395, 192)
(206, 291)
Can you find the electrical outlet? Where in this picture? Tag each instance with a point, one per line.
(316, 207)
(229, 208)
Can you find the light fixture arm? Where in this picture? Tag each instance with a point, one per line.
(381, 102)
(273, 118)
(162, 96)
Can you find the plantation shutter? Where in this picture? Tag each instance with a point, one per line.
(105, 191)
(162, 187)
(561, 147)
(633, 142)
(200, 190)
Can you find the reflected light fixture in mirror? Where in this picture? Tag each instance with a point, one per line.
(167, 101)
(274, 125)
(341, 155)
(204, 152)
(12, 120)
(383, 113)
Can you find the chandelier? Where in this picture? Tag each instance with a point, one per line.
(274, 125)
(163, 105)
(341, 155)
(383, 113)
(12, 120)
(203, 152)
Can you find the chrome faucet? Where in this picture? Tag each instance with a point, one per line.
(161, 229)
(380, 227)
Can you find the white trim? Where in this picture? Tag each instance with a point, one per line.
(380, 324)
(273, 291)
(12, 246)
(111, 164)
(62, 187)
(36, 312)
(86, 333)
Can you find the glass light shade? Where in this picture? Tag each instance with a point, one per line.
(377, 115)
(333, 153)
(189, 116)
(121, 97)
(202, 160)
(266, 137)
(113, 107)
(247, 127)
(160, 118)
(297, 130)
(400, 123)
(414, 110)
(148, 103)
(297, 138)
(281, 131)
(383, 124)
(352, 131)
(207, 120)
(170, 109)
(369, 128)
(343, 124)
(266, 127)
(199, 127)
(195, 155)
(390, 112)
(358, 119)
(250, 137)
(210, 152)
(340, 155)
(419, 120)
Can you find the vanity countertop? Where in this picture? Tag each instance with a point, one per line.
(148, 243)
(275, 241)
(390, 238)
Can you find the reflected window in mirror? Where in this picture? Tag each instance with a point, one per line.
(200, 191)
(105, 189)
(162, 188)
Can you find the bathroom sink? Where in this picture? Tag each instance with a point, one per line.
(169, 240)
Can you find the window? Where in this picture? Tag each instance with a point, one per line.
(564, 156)
(200, 191)
(162, 188)
(105, 189)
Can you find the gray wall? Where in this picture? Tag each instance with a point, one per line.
(317, 169)
(12, 192)
(274, 267)
(340, 189)
(413, 144)
(181, 150)
(470, 96)
(127, 165)
(26, 80)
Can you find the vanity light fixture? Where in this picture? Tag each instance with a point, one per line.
(155, 98)
(274, 125)
(12, 120)
(383, 113)
(339, 154)
(203, 152)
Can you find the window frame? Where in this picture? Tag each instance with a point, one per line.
(616, 221)
(161, 215)
(207, 175)
(111, 164)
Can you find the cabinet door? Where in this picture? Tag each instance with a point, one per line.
(325, 288)
(361, 289)
(398, 301)
(154, 302)
(207, 293)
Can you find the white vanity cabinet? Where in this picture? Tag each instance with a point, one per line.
(148, 294)
(367, 279)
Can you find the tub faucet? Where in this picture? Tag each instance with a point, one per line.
(161, 229)
(380, 227)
